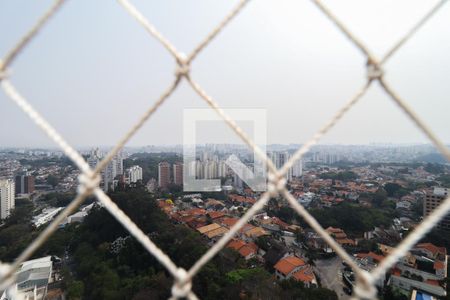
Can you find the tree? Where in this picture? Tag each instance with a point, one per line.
(379, 197)
(292, 289)
(52, 180)
(368, 246)
(344, 176)
(393, 294)
(444, 180)
(75, 290)
(391, 188)
(353, 218)
(434, 168)
(130, 272)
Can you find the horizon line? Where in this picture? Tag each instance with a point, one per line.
(228, 144)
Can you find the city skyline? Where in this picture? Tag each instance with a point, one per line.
(224, 149)
(300, 77)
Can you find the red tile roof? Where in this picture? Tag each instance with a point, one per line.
(339, 235)
(216, 232)
(256, 232)
(288, 264)
(253, 245)
(241, 199)
(228, 222)
(216, 214)
(280, 223)
(432, 248)
(374, 256)
(246, 250)
(236, 244)
(305, 275)
(209, 227)
(333, 230)
(432, 282)
(243, 248)
(246, 228)
(396, 272)
(438, 265)
(196, 211)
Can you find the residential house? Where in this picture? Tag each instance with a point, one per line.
(246, 250)
(340, 236)
(212, 231)
(296, 268)
(425, 269)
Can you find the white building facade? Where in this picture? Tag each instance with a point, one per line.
(134, 174)
(7, 199)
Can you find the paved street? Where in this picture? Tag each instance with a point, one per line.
(329, 271)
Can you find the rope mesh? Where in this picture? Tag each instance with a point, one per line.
(89, 179)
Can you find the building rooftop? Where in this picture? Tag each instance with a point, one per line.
(440, 191)
(207, 228)
(305, 275)
(288, 264)
(228, 222)
(432, 248)
(216, 232)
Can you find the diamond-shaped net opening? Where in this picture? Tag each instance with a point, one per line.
(89, 178)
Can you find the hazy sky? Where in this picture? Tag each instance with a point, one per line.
(93, 70)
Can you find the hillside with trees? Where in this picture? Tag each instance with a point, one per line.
(109, 264)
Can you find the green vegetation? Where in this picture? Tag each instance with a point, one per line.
(130, 272)
(296, 290)
(52, 180)
(18, 232)
(353, 218)
(100, 267)
(343, 176)
(390, 293)
(63, 161)
(437, 237)
(149, 162)
(395, 190)
(15, 234)
(58, 199)
(444, 180)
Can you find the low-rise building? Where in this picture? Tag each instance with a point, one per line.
(424, 269)
(46, 216)
(32, 279)
(296, 268)
(213, 230)
(432, 200)
(340, 236)
(246, 250)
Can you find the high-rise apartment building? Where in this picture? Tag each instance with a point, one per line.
(222, 169)
(297, 168)
(199, 170)
(24, 184)
(7, 200)
(118, 160)
(112, 169)
(432, 200)
(238, 184)
(94, 158)
(210, 169)
(178, 173)
(109, 173)
(163, 175)
(279, 159)
(134, 174)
